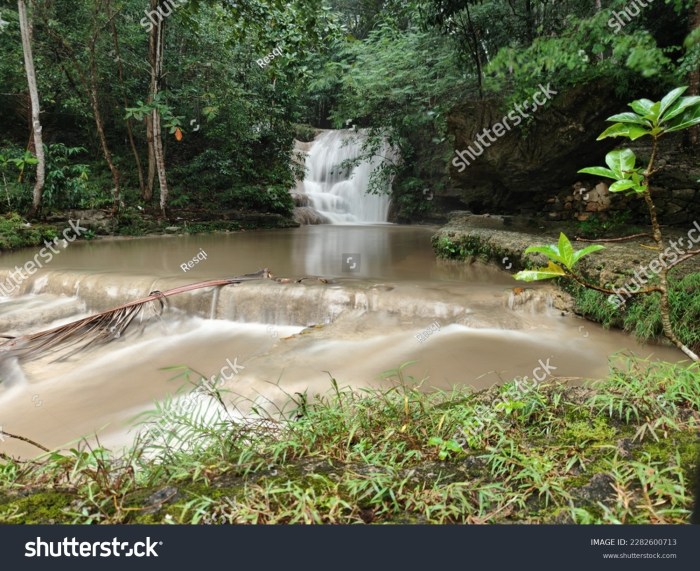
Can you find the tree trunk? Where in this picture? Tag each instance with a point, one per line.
(92, 93)
(26, 30)
(151, 176)
(156, 48)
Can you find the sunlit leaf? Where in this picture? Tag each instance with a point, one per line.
(680, 106)
(670, 98)
(599, 171)
(620, 185)
(630, 131)
(566, 250)
(587, 250)
(688, 119)
(642, 107)
(551, 271)
(621, 162)
(552, 252)
(629, 117)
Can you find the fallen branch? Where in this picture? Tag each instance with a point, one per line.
(25, 439)
(604, 240)
(105, 326)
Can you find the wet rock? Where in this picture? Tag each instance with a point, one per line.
(309, 215)
(155, 501)
(599, 489)
(301, 199)
(624, 447)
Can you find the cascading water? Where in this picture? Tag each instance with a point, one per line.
(337, 193)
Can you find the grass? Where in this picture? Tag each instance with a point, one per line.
(641, 315)
(618, 451)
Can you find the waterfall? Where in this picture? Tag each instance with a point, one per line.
(341, 194)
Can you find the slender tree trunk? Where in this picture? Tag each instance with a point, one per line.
(151, 176)
(156, 48)
(129, 129)
(26, 30)
(94, 102)
(665, 304)
(475, 47)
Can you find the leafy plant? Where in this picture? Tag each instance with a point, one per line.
(655, 119)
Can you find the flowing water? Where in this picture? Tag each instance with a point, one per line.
(339, 193)
(387, 301)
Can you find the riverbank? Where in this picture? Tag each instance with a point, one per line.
(621, 450)
(503, 241)
(16, 232)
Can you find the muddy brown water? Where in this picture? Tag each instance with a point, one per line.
(388, 302)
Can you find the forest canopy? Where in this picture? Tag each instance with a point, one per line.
(164, 104)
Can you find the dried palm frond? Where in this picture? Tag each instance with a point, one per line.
(105, 326)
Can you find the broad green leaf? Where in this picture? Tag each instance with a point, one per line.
(624, 130)
(621, 162)
(551, 271)
(635, 132)
(587, 250)
(599, 171)
(552, 252)
(629, 117)
(620, 185)
(566, 250)
(681, 106)
(654, 112)
(688, 119)
(642, 107)
(670, 98)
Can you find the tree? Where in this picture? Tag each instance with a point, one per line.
(26, 30)
(647, 118)
(120, 71)
(156, 153)
(88, 76)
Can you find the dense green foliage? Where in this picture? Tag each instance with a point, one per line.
(16, 233)
(398, 67)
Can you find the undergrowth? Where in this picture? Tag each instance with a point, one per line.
(620, 450)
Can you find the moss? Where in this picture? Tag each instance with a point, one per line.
(42, 507)
(685, 444)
